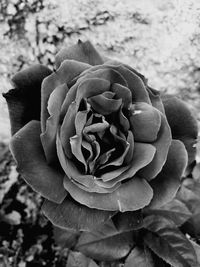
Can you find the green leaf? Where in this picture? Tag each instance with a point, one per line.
(165, 240)
(140, 257)
(175, 210)
(107, 243)
(127, 221)
(77, 259)
(197, 250)
(189, 193)
(65, 238)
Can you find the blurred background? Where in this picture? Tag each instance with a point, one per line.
(161, 39)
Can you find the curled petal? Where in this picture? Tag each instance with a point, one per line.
(166, 184)
(31, 163)
(106, 73)
(135, 83)
(122, 92)
(129, 155)
(132, 195)
(162, 146)
(145, 122)
(104, 105)
(156, 99)
(87, 182)
(24, 101)
(76, 143)
(48, 138)
(68, 129)
(91, 87)
(142, 156)
(67, 71)
(82, 51)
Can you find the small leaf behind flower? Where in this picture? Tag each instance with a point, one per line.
(77, 259)
(140, 258)
(190, 195)
(165, 240)
(107, 243)
(175, 210)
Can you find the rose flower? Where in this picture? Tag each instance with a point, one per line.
(94, 139)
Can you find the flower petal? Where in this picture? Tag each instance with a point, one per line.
(132, 195)
(68, 70)
(48, 138)
(104, 105)
(122, 92)
(24, 101)
(135, 83)
(162, 146)
(106, 73)
(91, 87)
(143, 117)
(31, 163)
(74, 216)
(142, 155)
(67, 129)
(82, 51)
(87, 182)
(166, 184)
(156, 99)
(183, 124)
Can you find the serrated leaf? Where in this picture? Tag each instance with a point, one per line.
(165, 240)
(175, 210)
(140, 257)
(107, 243)
(77, 259)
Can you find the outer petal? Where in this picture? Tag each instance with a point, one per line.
(48, 138)
(28, 153)
(82, 51)
(166, 184)
(156, 99)
(24, 101)
(183, 124)
(74, 216)
(143, 117)
(162, 145)
(68, 70)
(132, 195)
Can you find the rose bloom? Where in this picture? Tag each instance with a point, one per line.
(94, 139)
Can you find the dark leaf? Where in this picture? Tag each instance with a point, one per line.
(65, 238)
(182, 122)
(25, 100)
(190, 195)
(140, 257)
(77, 259)
(175, 210)
(165, 240)
(107, 243)
(197, 250)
